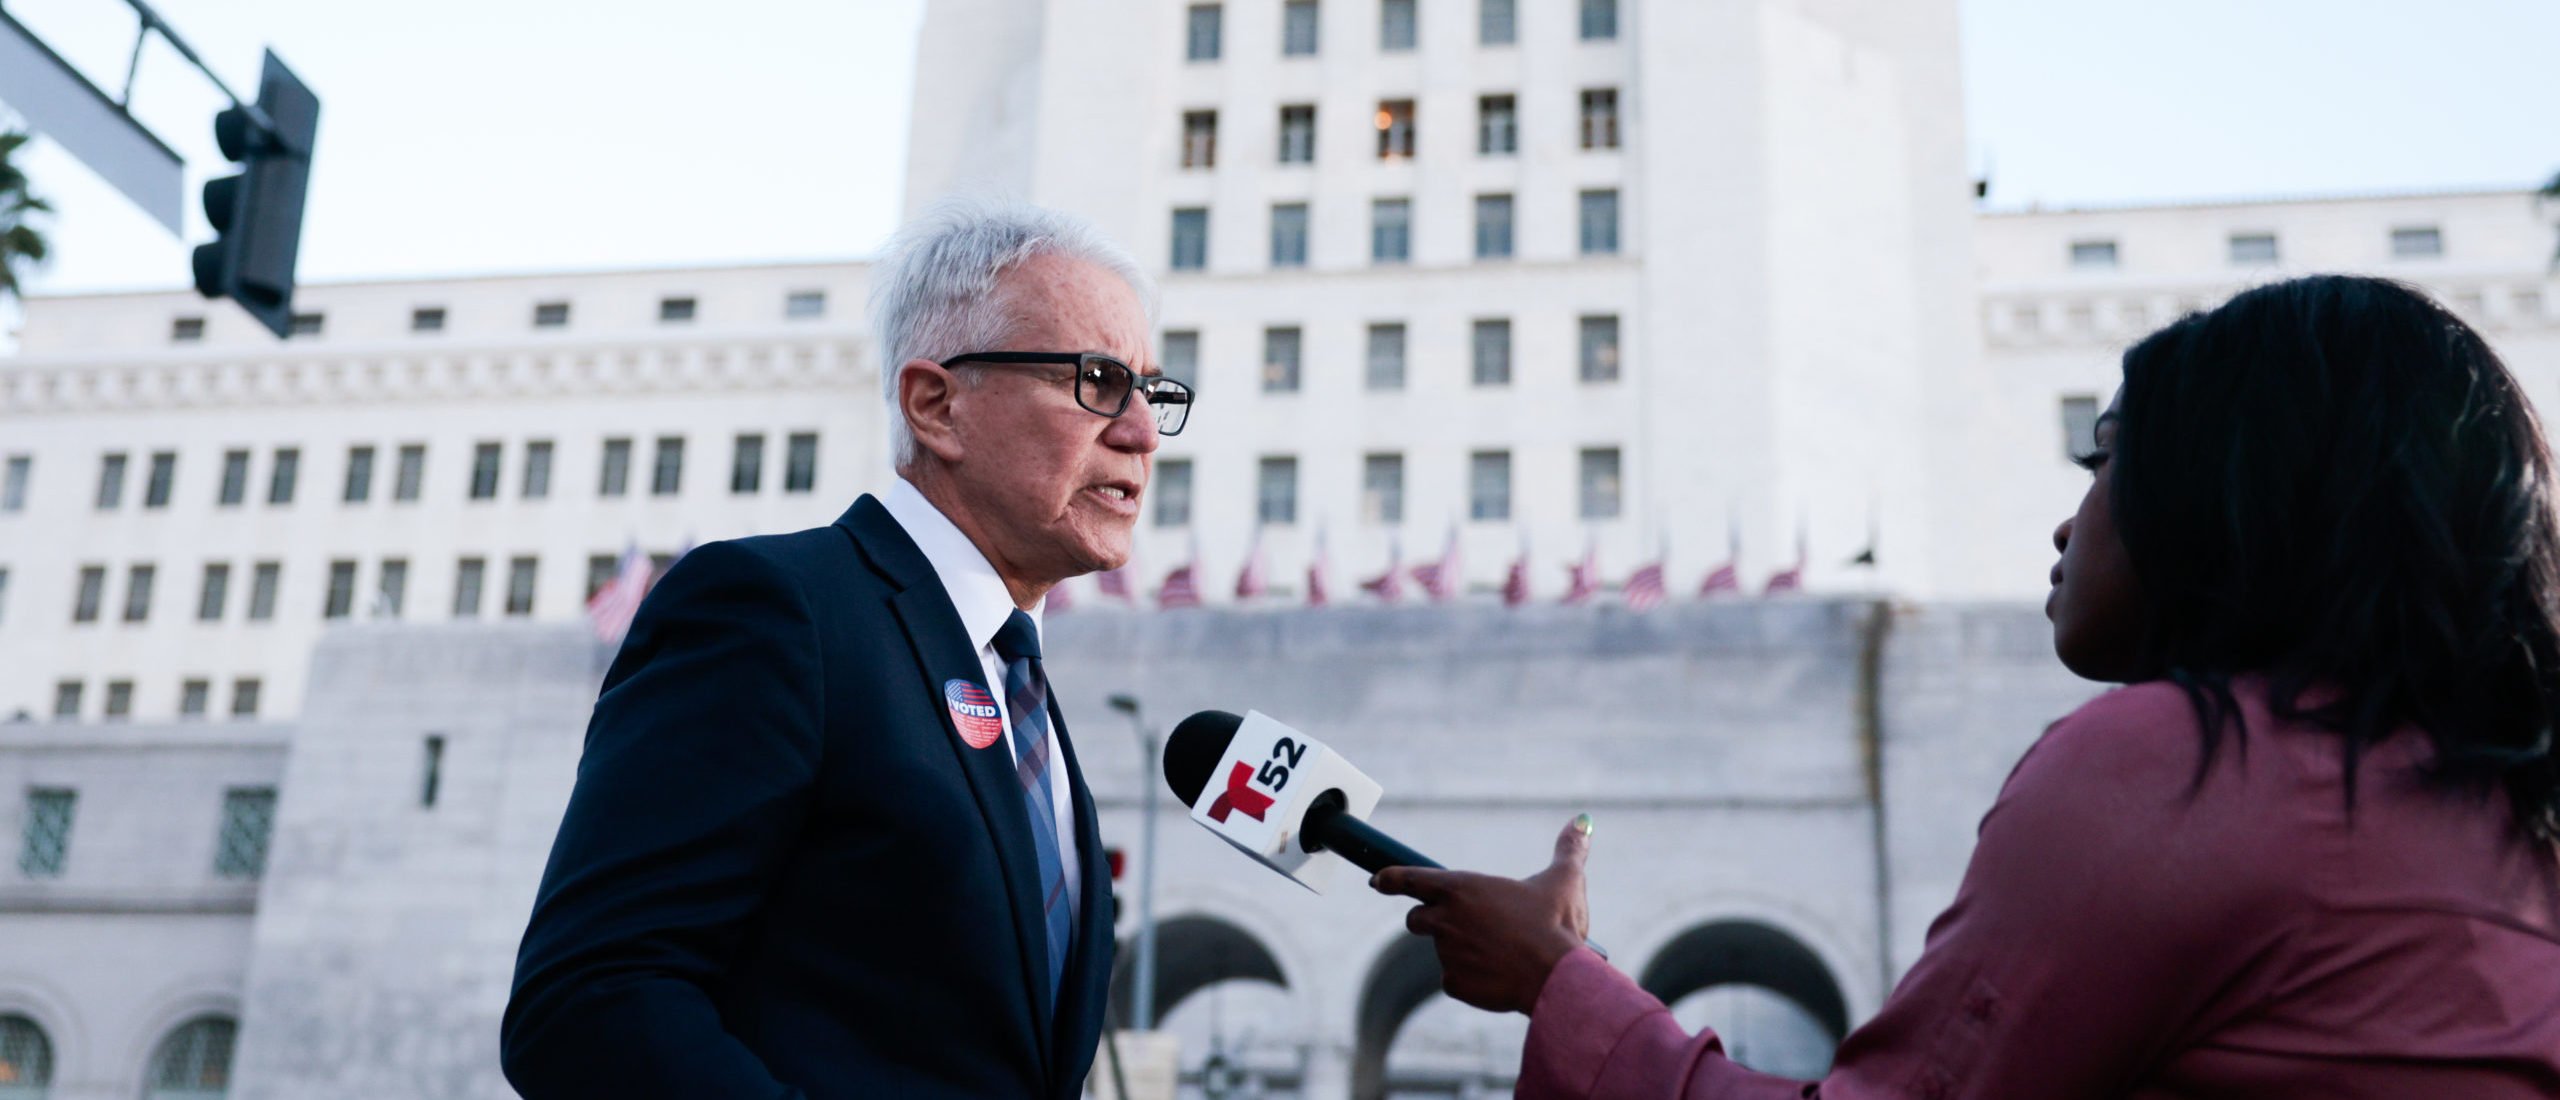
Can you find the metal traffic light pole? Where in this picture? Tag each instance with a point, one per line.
(1143, 1010)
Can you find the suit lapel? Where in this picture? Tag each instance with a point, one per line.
(943, 654)
(1087, 983)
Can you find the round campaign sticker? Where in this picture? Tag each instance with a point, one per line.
(973, 713)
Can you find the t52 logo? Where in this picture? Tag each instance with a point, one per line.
(1239, 797)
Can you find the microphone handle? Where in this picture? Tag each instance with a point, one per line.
(1330, 828)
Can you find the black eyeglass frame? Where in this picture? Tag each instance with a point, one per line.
(1163, 393)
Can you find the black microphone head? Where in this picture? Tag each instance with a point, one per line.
(1194, 749)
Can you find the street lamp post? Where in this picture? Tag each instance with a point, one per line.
(1143, 1011)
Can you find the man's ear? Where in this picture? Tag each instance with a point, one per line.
(928, 394)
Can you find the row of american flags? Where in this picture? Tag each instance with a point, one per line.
(1437, 580)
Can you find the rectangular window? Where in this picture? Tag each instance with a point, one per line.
(1599, 20)
(264, 580)
(1601, 498)
(1391, 231)
(1395, 129)
(1382, 488)
(13, 484)
(537, 469)
(2417, 242)
(164, 470)
(434, 771)
(305, 324)
(485, 458)
(119, 700)
(46, 845)
(427, 319)
(342, 590)
(111, 481)
(2079, 426)
(93, 594)
(1600, 118)
(666, 477)
(2252, 249)
(248, 817)
(1489, 485)
(802, 305)
(675, 311)
(1386, 357)
(600, 571)
(1276, 496)
(1497, 125)
(66, 701)
(1492, 348)
(391, 588)
(1190, 238)
(468, 577)
(280, 479)
(1497, 23)
(1493, 227)
(1599, 223)
(1280, 360)
(1289, 235)
(213, 595)
(1199, 139)
(1396, 31)
(1201, 31)
(235, 478)
(615, 479)
(186, 330)
(800, 468)
(1181, 358)
(194, 698)
(1172, 490)
(1600, 348)
(359, 475)
(746, 464)
(2093, 255)
(1298, 28)
(520, 587)
(551, 315)
(410, 478)
(1298, 134)
(244, 697)
(137, 593)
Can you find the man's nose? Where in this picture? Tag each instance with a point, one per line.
(1134, 430)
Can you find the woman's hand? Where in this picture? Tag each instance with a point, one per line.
(1499, 938)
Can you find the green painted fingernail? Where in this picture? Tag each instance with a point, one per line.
(1582, 822)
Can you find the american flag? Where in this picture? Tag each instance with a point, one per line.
(1249, 582)
(1723, 578)
(1115, 583)
(1316, 594)
(1515, 587)
(1644, 587)
(1179, 589)
(1446, 577)
(610, 610)
(1790, 579)
(1582, 578)
(1388, 587)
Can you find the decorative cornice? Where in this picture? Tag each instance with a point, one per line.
(389, 374)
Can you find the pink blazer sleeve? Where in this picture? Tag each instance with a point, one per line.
(2105, 920)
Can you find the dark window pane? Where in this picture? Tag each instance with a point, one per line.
(667, 477)
(164, 470)
(746, 465)
(616, 477)
(263, 582)
(484, 470)
(281, 480)
(801, 473)
(409, 480)
(537, 469)
(1171, 489)
(359, 475)
(468, 576)
(235, 477)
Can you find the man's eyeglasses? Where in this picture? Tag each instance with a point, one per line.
(1103, 384)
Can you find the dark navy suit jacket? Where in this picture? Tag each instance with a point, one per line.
(782, 873)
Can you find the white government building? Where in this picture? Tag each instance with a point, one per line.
(1654, 278)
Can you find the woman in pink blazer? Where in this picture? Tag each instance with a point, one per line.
(2310, 849)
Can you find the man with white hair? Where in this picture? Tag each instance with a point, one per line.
(828, 837)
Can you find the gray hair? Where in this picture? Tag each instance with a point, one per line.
(936, 293)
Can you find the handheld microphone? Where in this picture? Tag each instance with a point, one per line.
(1283, 798)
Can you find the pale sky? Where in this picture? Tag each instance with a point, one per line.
(473, 136)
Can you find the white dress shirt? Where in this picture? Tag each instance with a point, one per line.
(982, 600)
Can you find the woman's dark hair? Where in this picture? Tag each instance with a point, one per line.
(2335, 483)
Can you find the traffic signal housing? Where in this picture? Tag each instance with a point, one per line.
(257, 214)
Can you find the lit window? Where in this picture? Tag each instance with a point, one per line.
(1280, 360)
(1395, 129)
(1600, 118)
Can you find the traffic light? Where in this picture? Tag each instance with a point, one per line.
(257, 214)
(1119, 859)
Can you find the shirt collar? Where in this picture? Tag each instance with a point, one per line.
(976, 591)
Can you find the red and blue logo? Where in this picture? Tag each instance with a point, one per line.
(973, 713)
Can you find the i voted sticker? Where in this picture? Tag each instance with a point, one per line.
(973, 713)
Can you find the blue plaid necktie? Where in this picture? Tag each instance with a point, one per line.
(1026, 699)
